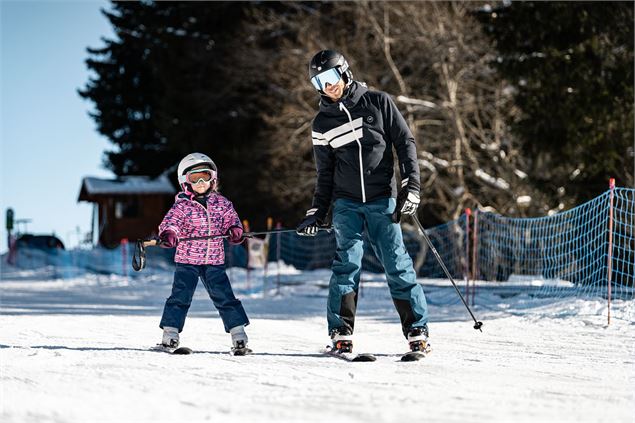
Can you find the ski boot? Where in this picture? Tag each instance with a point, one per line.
(239, 341)
(342, 347)
(418, 339)
(418, 342)
(170, 340)
(342, 339)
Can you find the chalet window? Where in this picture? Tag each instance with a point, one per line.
(127, 208)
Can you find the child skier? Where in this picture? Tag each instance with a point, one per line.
(199, 210)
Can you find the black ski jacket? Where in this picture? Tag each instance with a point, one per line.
(353, 140)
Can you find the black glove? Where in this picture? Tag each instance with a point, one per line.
(309, 226)
(407, 203)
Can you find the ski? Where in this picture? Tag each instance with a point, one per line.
(240, 351)
(240, 348)
(413, 356)
(177, 351)
(364, 357)
(416, 355)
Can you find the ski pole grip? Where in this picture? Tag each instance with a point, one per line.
(150, 243)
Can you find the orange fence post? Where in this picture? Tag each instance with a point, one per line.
(474, 255)
(124, 256)
(278, 256)
(610, 254)
(246, 229)
(466, 267)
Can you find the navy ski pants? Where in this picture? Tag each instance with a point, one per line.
(350, 219)
(218, 287)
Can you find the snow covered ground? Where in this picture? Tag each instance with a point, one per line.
(76, 350)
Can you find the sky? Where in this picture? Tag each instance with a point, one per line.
(48, 140)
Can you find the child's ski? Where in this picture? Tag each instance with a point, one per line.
(177, 351)
(241, 351)
(240, 347)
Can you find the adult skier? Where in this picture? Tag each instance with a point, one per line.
(354, 134)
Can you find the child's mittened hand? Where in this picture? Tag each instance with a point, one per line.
(168, 239)
(235, 235)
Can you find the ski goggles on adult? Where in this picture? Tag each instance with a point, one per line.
(197, 175)
(331, 77)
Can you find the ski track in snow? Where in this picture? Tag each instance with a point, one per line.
(77, 351)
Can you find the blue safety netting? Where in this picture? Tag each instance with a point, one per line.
(569, 251)
(564, 253)
(306, 253)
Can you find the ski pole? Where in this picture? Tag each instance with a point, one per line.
(251, 234)
(477, 324)
(139, 254)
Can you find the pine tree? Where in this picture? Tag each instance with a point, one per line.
(571, 64)
(170, 84)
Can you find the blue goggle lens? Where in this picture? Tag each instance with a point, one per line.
(331, 77)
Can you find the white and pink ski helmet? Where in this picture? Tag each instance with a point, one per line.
(191, 160)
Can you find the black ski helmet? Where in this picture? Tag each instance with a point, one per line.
(329, 59)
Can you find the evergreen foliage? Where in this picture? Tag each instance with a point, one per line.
(229, 79)
(171, 83)
(571, 64)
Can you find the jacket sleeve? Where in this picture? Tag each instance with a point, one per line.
(230, 217)
(325, 167)
(173, 220)
(405, 146)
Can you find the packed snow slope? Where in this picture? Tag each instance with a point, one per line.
(77, 350)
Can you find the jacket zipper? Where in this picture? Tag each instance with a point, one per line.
(359, 144)
(209, 230)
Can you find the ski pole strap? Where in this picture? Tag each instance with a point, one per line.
(139, 256)
(139, 253)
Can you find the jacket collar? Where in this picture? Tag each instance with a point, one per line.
(189, 196)
(351, 97)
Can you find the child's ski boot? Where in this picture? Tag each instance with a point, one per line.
(170, 337)
(239, 341)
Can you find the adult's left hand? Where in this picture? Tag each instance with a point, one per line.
(410, 204)
(407, 203)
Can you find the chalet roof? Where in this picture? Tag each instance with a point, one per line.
(124, 185)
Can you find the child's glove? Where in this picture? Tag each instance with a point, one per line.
(168, 239)
(235, 235)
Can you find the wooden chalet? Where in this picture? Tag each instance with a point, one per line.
(128, 207)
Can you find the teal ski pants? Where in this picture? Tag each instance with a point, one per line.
(350, 219)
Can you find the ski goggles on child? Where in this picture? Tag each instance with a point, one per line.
(331, 77)
(196, 175)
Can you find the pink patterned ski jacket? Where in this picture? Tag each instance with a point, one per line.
(188, 218)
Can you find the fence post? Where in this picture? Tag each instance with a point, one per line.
(266, 254)
(246, 229)
(610, 252)
(278, 257)
(124, 257)
(474, 255)
(466, 267)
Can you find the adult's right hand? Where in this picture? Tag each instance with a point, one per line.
(309, 226)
